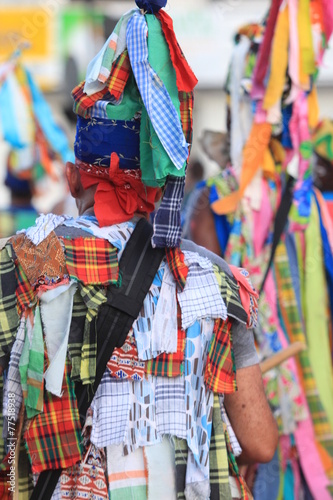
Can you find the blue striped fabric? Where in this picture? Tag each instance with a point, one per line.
(155, 96)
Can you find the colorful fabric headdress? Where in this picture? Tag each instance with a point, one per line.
(134, 126)
(27, 125)
(276, 67)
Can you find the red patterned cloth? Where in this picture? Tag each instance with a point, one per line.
(115, 86)
(124, 362)
(170, 365)
(220, 374)
(93, 261)
(43, 264)
(177, 266)
(85, 480)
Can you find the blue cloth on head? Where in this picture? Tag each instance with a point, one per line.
(151, 6)
(96, 139)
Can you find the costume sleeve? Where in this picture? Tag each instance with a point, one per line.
(9, 319)
(243, 345)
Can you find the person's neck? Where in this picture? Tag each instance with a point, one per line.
(85, 206)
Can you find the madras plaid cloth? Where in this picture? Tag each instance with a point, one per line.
(181, 454)
(93, 261)
(115, 86)
(220, 373)
(186, 114)
(234, 470)
(24, 293)
(218, 458)
(2, 443)
(9, 319)
(177, 266)
(170, 365)
(230, 294)
(82, 343)
(76, 330)
(295, 331)
(54, 437)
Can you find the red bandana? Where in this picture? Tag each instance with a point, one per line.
(120, 195)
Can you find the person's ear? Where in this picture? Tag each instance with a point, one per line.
(73, 179)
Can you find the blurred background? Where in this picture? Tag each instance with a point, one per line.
(62, 36)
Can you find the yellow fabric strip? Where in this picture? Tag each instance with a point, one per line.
(307, 56)
(279, 60)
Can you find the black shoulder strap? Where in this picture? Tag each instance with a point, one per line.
(138, 266)
(280, 223)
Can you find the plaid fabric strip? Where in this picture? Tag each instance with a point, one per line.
(119, 75)
(9, 319)
(93, 261)
(93, 296)
(31, 367)
(181, 454)
(170, 365)
(114, 87)
(230, 294)
(186, 114)
(82, 343)
(167, 226)
(234, 470)
(177, 266)
(75, 339)
(220, 374)
(24, 293)
(218, 458)
(54, 437)
(293, 325)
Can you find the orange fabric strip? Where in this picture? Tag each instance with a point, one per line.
(253, 158)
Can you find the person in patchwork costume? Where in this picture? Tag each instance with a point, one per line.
(180, 395)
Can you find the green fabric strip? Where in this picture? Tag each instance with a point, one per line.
(9, 319)
(31, 368)
(317, 313)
